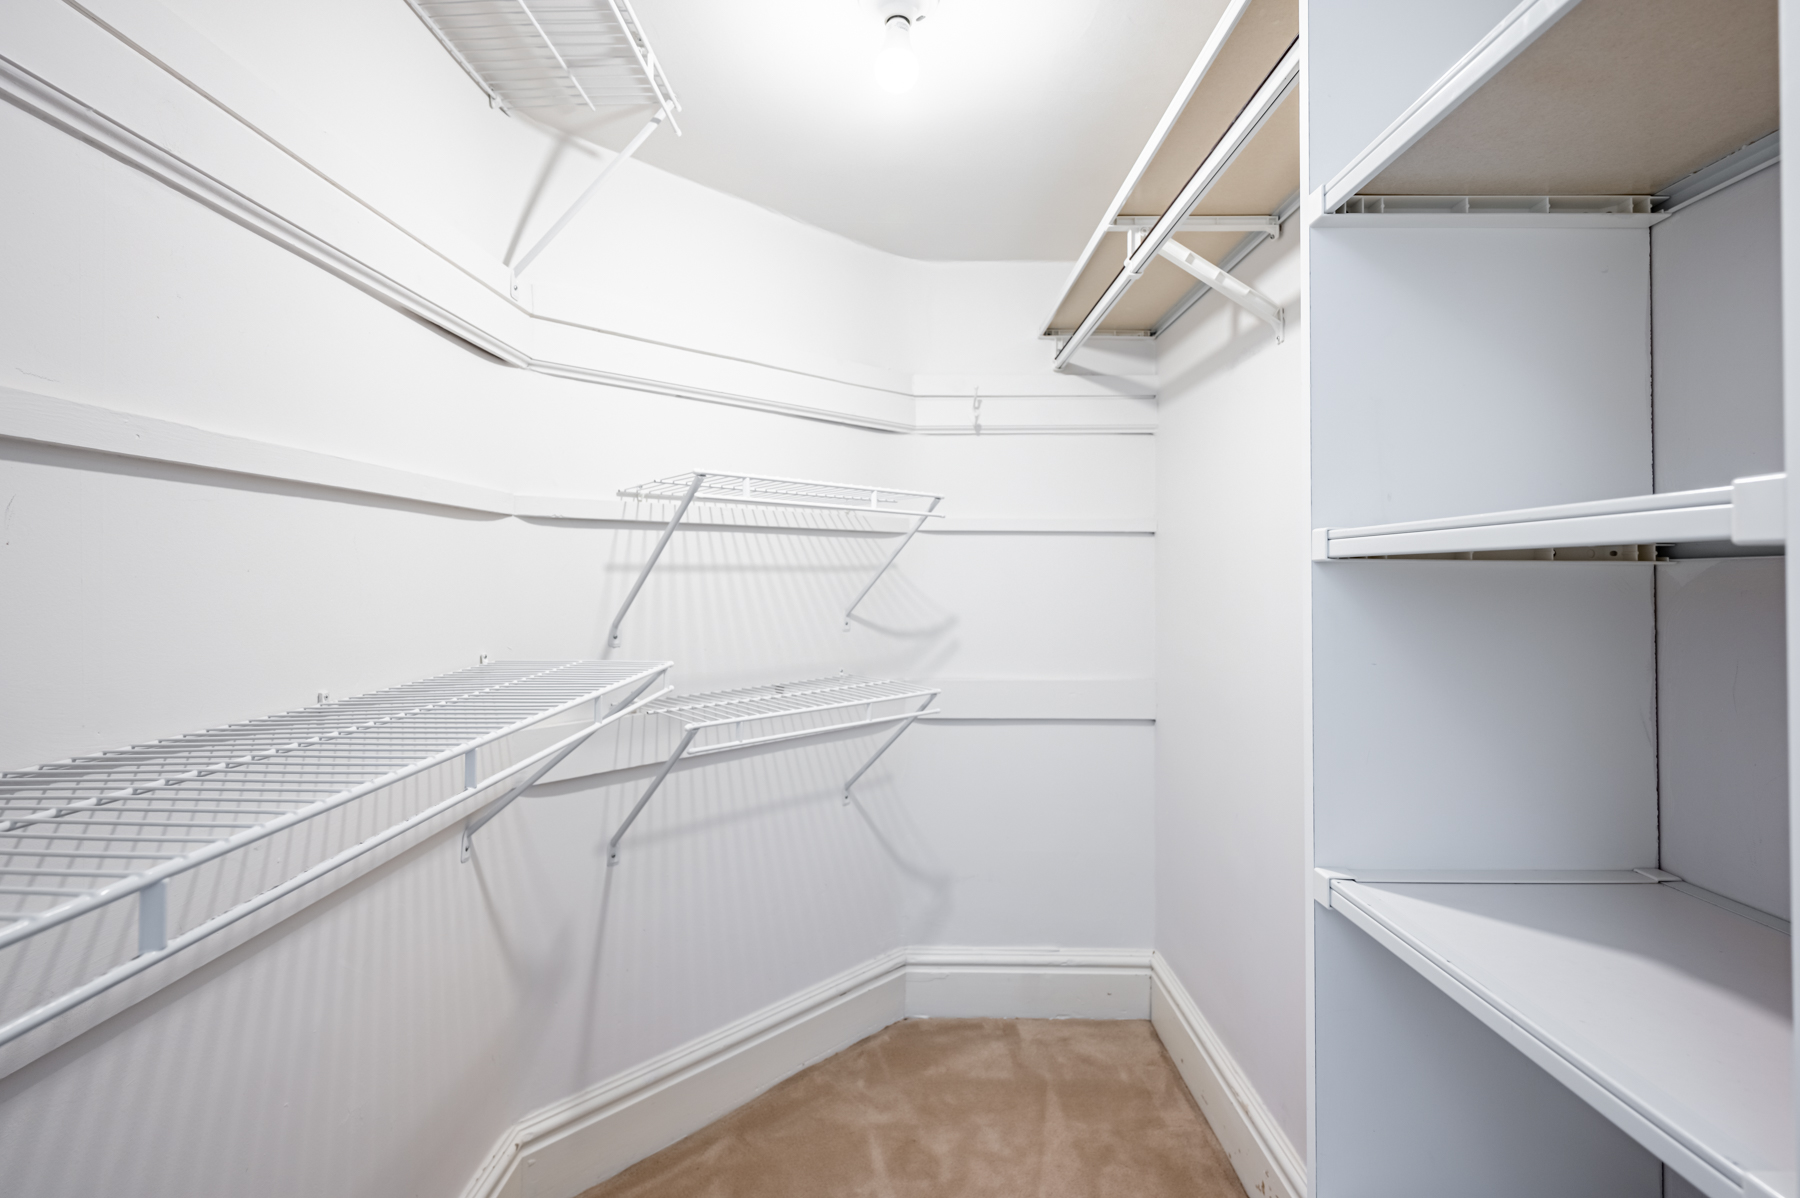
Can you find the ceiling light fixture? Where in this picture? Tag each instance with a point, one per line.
(896, 65)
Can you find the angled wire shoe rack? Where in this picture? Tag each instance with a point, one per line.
(177, 824)
(720, 721)
(764, 491)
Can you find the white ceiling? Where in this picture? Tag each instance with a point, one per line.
(1026, 116)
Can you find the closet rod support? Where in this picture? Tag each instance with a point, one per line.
(620, 710)
(612, 846)
(631, 148)
(612, 634)
(886, 744)
(1228, 285)
(917, 524)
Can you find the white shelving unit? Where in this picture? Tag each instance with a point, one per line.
(1498, 738)
(1666, 1010)
(174, 824)
(1219, 174)
(779, 713)
(754, 490)
(1750, 512)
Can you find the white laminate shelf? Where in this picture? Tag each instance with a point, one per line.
(1656, 1003)
(1750, 512)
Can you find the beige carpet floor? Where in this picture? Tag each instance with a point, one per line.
(959, 1108)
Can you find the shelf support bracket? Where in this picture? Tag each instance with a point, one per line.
(1228, 285)
(618, 711)
(612, 634)
(917, 524)
(612, 846)
(631, 148)
(886, 744)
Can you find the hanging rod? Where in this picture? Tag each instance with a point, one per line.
(821, 706)
(156, 812)
(759, 490)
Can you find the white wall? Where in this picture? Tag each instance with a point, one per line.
(1231, 619)
(1721, 693)
(380, 1040)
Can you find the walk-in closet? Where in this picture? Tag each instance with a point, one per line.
(648, 598)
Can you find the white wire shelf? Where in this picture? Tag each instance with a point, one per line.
(79, 836)
(759, 490)
(720, 721)
(552, 53)
(1663, 1006)
(1749, 512)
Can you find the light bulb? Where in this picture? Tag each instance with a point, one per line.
(896, 66)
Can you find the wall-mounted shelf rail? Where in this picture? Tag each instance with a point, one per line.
(762, 491)
(79, 836)
(1218, 175)
(1749, 512)
(1657, 1004)
(720, 721)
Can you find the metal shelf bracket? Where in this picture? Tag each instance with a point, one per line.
(560, 750)
(1228, 285)
(825, 698)
(766, 491)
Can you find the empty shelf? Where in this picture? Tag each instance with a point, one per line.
(1551, 103)
(1749, 512)
(1666, 1012)
(718, 721)
(81, 835)
(552, 53)
(766, 491)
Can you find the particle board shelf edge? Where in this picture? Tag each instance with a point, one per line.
(1667, 1014)
(1750, 512)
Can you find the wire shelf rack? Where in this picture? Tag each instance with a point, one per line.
(759, 490)
(552, 53)
(312, 789)
(719, 721)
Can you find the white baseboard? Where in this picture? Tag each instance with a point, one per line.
(581, 1141)
(970, 983)
(1266, 1160)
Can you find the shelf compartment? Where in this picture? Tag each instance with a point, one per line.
(1749, 512)
(1601, 97)
(761, 716)
(1667, 1013)
(552, 53)
(81, 835)
(758, 490)
(1246, 169)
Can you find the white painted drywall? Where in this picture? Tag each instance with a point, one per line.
(379, 1041)
(1721, 694)
(1716, 280)
(1231, 617)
